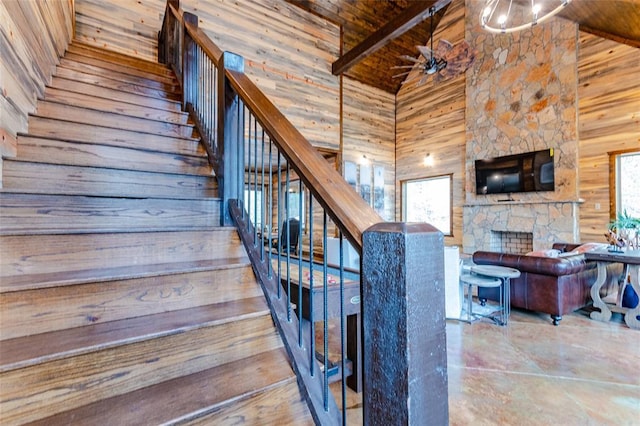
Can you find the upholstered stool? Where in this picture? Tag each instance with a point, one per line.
(470, 279)
(504, 274)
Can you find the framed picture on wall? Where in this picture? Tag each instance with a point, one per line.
(351, 174)
(365, 182)
(378, 189)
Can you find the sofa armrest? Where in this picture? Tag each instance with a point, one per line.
(553, 266)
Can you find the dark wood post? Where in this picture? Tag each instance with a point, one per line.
(230, 146)
(187, 58)
(404, 335)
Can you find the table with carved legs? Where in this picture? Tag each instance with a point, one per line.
(631, 260)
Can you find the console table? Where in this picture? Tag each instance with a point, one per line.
(631, 260)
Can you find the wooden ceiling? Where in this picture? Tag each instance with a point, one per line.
(367, 22)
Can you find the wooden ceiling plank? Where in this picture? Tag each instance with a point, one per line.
(411, 16)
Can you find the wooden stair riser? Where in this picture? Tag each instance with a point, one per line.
(84, 100)
(114, 75)
(24, 313)
(54, 151)
(119, 58)
(43, 178)
(86, 133)
(59, 214)
(134, 98)
(165, 403)
(120, 68)
(69, 113)
(41, 390)
(40, 254)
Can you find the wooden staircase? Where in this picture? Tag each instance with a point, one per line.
(122, 300)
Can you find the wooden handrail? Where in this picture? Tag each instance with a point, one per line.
(201, 38)
(345, 207)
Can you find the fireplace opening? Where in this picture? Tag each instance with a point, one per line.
(511, 242)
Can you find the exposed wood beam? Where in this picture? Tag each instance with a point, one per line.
(407, 19)
(614, 37)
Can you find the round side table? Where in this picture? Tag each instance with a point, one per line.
(468, 280)
(504, 274)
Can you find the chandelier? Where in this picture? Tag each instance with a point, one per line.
(507, 16)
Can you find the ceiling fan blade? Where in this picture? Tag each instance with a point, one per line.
(397, 67)
(412, 79)
(401, 74)
(410, 58)
(443, 48)
(425, 51)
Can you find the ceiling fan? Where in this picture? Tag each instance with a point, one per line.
(447, 61)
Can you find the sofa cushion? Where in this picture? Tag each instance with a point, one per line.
(587, 247)
(544, 253)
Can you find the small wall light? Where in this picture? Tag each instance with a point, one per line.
(428, 160)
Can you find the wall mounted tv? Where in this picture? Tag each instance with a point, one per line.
(529, 171)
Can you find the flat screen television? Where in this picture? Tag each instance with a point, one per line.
(526, 172)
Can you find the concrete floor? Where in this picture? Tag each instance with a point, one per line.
(582, 372)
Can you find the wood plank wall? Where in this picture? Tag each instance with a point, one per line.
(368, 128)
(288, 52)
(33, 35)
(609, 120)
(430, 118)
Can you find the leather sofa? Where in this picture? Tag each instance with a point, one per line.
(553, 285)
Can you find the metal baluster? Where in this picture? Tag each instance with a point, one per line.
(343, 338)
(325, 312)
(312, 329)
(287, 239)
(270, 209)
(255, 180)
(279, 200)
(249, 169)
(299, 252)
(262, 200)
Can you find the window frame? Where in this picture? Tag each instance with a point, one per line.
(614, 190)
(449, 179)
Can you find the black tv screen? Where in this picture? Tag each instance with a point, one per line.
(529, 171)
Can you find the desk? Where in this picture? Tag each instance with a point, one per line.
(631, 260)
(351, 306)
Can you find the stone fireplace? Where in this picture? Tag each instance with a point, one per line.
(521, 96)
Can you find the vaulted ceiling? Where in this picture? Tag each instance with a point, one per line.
(375, 33)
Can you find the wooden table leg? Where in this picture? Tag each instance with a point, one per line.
(631, 316)
(354, 351)
(605, 312)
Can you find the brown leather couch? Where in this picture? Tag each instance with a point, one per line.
(555, 286)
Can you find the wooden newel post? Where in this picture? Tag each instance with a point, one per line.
(404, 335)
(230, 143)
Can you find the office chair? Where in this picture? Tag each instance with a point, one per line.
(290, 243)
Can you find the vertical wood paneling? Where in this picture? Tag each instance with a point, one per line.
(288, 52)
(368, 128)
(33, 34)
(609, 120)
(430, 118)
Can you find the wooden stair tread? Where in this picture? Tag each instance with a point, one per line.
(30, 350)
(119, 58)
(115, 94)
(24, 214)
(51, 128)
(84, 100)
(26, 177)
(74, 114)
(168, 79)
(56, 151)
(114, 75)
(53, 279)
(189, 397)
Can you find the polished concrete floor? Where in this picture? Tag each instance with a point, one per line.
(582, 372)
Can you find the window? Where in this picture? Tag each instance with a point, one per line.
(625, 186)
(296, 202)
(428, 200)
(253, 203)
